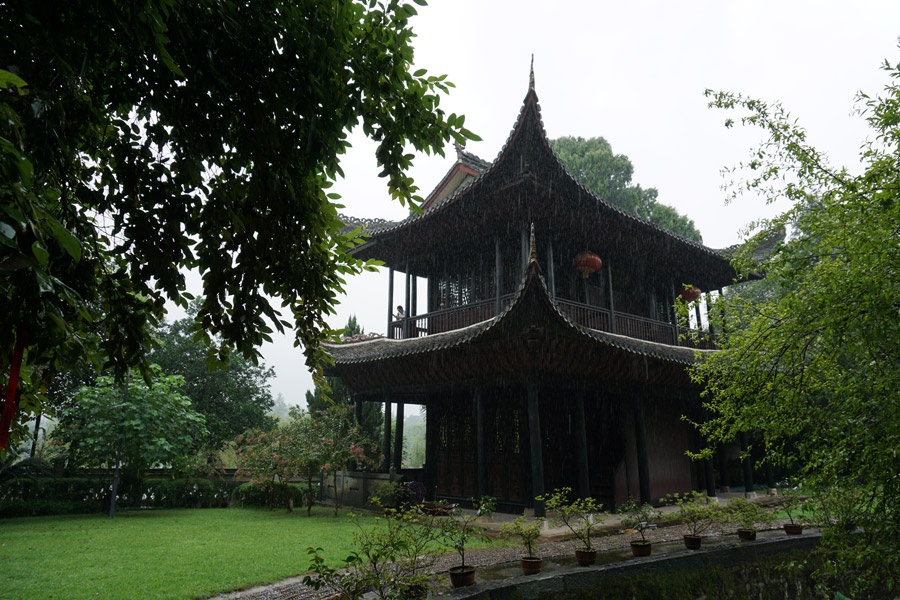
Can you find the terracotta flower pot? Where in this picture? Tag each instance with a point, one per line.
(462, 576)
(793, 528)
(531, 565)
(692, 542)
(641, 548)
(746, 535)
(586, 558)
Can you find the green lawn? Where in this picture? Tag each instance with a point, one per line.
(164, 554)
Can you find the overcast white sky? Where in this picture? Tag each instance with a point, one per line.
(632, 72)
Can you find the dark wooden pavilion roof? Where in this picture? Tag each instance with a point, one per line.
(528, 183)
(530, 337)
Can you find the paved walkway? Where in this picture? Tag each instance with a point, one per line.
(555, 541)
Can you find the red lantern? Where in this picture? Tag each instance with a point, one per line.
(587, 263)
(689, 294)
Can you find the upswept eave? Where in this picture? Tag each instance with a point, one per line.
(378, 227)
(533, 288)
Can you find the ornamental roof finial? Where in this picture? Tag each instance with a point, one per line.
(531, 77)
(532, 253)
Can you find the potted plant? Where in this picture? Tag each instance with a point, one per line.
(747, 515)
(581, 516)
(792, 506)
(457, 530)
(528, 531)
(696, 512)
(639, 517)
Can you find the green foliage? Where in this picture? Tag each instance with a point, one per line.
(232, 398)
(814, 372)
(264, 494)
(527, 530)
(746, 514)
(17, 470)
(638, 516)
(391, 558)
(461, 527)
(74, 495)
(303, 448)
(581, 515)
(135, 144)
(154, 425)
(608, 175)
(273, 458)
(694, 510)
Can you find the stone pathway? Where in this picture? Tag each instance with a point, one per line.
(554, 542)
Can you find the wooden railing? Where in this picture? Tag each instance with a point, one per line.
(592, 317)
(645, 329)
(447, 319)
(584, 314)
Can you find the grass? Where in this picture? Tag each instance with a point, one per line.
(162, 554)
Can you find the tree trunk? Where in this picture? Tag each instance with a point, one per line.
(336, 500)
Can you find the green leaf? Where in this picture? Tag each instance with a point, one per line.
(7, 230)
(8, 80)
(68, 241)
(40, 253)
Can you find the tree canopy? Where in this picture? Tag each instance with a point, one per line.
(232, 398)
(812, 373)
(154, 425)
(137, 141)
(609, 176)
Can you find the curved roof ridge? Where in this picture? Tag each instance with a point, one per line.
(414, 217)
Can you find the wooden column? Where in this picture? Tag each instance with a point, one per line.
(406, 305)
(722, 313)
(498, 276)
(480, 446)
(357, 416)
(612, 305)
(770, 477)
(747, 463)
(643, 461)
(358, 409)
(398, 439)
(537, 455)
(712, 333)
(724, 481)
(710, 478)
(699, 322)
(430, 454)
(386, 440)
(414, 304)
(584, 480)
(390, 311)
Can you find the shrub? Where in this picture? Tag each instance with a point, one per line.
(69, 495)
(268, 495)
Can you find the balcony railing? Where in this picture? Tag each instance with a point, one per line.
(592, 317)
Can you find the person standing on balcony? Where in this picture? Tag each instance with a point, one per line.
(401, 314)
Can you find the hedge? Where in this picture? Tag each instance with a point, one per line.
(264, 494)
(67, 495)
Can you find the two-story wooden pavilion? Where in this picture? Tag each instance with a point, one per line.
(533, 375)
